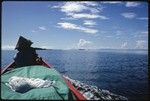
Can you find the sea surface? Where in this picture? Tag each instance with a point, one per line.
(123, 72)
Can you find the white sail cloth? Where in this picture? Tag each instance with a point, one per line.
(23, 84)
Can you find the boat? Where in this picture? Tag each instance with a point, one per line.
(42, 81)
(74, 91)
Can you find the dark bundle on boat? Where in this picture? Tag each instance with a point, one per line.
(23, 43)
(26, 54)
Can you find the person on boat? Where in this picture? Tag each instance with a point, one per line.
(26, 54)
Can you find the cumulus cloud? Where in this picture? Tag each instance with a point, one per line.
(74, 7)
(83, 10)
(89, 22)
(89, 30)
(124, 45)
(132, 4)
(67, 25)
(129, 15)
(42, 28)
(144, 32)
(46, 47)
(67, 18)
(84, 44)
(141, 34)
(143, 18)
(87, 16)
(8, 47)
(141, 44)
(77, 10)
(72, 26)
(112, 2)
(70, 7)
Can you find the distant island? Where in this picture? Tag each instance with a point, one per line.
(81, 49)
(40, 48)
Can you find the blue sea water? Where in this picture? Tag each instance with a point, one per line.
(121, 72)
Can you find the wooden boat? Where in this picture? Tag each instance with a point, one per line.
(77, 94)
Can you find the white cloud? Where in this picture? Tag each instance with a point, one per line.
(144, 32)
(132, 4)
(83, 15)
(129, 15)
(124, 45)
(141, 44)
(46, 47)
(77, 10)
(70, 7)
(89, 3)
(141, 34)
(112, 2)
(42, 28)
(86, 15)
(143, 18)
(67, 25)
(84, 10)
(89, 30)
(56, 6)
(103, 17)
(68, 18)
(89, 22)
(84, 44)
(8, 47)
(74, 7)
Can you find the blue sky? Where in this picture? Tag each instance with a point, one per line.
(73, 25)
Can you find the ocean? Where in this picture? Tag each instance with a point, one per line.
(123, 72)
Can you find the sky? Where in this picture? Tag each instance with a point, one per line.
(76, 25)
